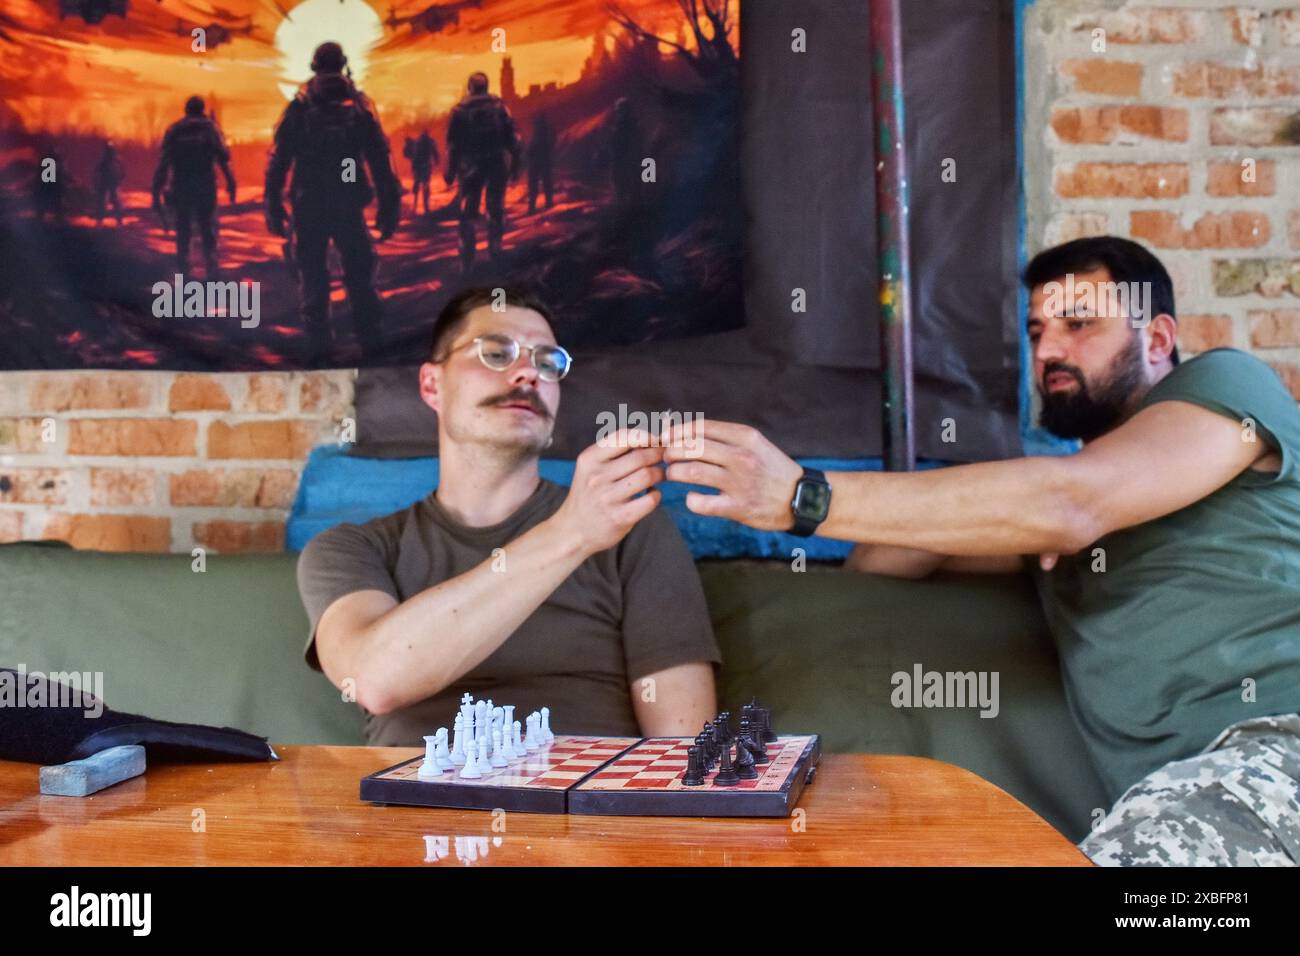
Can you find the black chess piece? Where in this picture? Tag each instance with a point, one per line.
(726, 776)
(710, 743)
(754, 740)
(724, 719)
(744, 760)
(694, 774)
(764, 721)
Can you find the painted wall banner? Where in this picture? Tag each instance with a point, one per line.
(272, 184)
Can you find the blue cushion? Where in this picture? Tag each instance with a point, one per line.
(337, 487)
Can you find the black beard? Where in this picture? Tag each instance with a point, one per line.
(1088, 413)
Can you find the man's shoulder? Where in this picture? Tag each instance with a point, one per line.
(379, 531)
(1222, 366)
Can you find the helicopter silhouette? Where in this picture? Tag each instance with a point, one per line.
(432, 19)
(216, 33)
(92, 11)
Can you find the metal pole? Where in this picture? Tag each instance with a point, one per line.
(892, 247)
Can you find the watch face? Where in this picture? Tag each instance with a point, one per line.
(812, 500)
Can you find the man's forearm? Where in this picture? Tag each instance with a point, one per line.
(434, 638)
(1027, 506)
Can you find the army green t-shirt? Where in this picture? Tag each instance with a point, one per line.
(1194, 623)
(630, 611)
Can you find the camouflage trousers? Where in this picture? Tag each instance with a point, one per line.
(1236, 803)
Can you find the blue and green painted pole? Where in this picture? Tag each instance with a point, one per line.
(893, 250)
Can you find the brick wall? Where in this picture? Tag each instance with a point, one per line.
(1182, 133)
(160, 461)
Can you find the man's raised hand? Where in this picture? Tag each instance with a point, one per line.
(754, 478)
(602, 505)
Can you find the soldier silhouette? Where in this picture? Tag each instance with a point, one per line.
(625, 153)
(51, 182)
(329, 135)
(483, 152)
(186, 182)
(541, 147)
(109, 173)
(423, 154)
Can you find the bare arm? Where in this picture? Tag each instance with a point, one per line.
(402, 653)
(675, 702)
(895, 562)
(1164, 458)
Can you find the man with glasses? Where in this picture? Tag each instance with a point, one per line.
(502, 584)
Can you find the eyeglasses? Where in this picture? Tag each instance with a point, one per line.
(498, 352)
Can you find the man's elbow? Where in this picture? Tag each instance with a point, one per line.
(1074, 516)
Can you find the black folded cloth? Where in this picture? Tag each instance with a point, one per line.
(47, 722)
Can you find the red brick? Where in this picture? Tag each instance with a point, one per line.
(266, 393)
(1293, 228)
(1155, 122)
(1254, 126)
(1274, 328)
(110, 532)
(1147, 25)
(1226, 230)
(24, 435)
(33, 486)
(234, 536)
(237, 488)
(1104, 76)
(61, 391)
(1288, 25)
(1225, 179)
(122, 487)
(272, 439)
(11, 526)
(1200, 333)
(1220, 80)
(1128, 180)
(324, 393)
(1246, 24)
(1088, 124)
(132, 436)
(1068, 226)
(197, 393)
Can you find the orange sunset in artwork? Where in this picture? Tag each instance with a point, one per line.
(614, 188)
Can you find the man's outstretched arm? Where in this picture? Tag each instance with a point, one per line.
(1163, 459)
(398, 654)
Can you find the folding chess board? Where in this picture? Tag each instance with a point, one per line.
(615, 776)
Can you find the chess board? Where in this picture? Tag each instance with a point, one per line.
(646, 780)
(618, 776)
(536, 783)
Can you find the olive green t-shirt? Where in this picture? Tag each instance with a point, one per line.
(1194, 623)
(624, 613)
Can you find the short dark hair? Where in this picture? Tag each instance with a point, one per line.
(452, 317)
(1124, 259)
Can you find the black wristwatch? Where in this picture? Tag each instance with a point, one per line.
(811, 503)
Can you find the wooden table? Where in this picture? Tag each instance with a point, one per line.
(304, 810)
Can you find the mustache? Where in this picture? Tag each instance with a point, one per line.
(525, 395)
(1062, 367)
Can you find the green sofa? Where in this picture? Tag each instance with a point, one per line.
(224, 647)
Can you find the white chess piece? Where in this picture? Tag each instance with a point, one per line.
(517, 743)
(470, 771)
(440, 752)
(430, 767)
(466, 698)
(498, 752)
(484, 764)
(507, 723)
(458, 742)
(531, 743)
(547, 736)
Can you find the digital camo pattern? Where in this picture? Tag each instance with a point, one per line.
(1237, 803)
